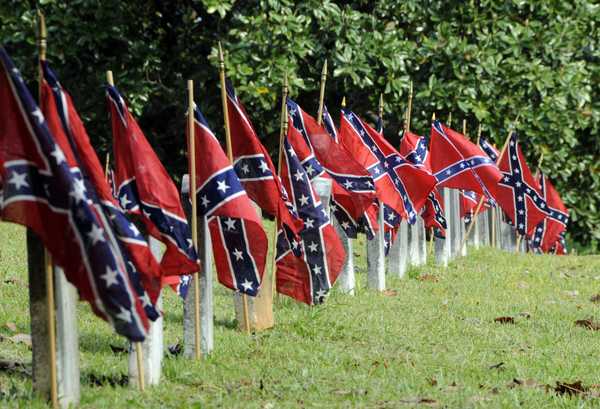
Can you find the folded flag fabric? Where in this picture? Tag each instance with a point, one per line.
(518, 193)
(255, 169)
(41, 191)
(399, 184)
(238, 238)
(458, 163)
(307, 268)
(548, 233)
(70, 134)
(146, 190)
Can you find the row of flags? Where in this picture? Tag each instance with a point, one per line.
(97, 228)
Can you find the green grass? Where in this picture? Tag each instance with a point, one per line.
(433, 339)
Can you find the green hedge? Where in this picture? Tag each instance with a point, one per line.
(485, 61)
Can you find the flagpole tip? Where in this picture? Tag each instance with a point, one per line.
(109, 78)
(190, 84)
(324, 71)
(433, 117)
(344, 102)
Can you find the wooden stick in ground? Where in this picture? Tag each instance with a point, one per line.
(322, 93)
(497, 163)
(282, 132)
(49, 268)
(230, 157)
(192, 172)
(138, 345)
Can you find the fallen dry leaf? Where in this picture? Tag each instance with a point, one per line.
(573, 293)
(523, 285)
(432, 381)
(524, 314)
(390, 293)
(505, 320)
(428, 277)
(564, 388)
(589, 324)
(595, 298)
(14, 366)
(11, 326)
(420, 401)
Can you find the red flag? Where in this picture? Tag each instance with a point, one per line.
(399, 184)
(458, 163)
(518, 192)
(70, 134)
(308, 268)
(145, 189)
(39, 190)
(238, 238)
(548, 233)
(255, 169)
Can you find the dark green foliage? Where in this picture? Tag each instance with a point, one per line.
(484, 61)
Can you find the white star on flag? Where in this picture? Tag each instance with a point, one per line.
(245, 168)
(204, 201)
(308, 223)
(19, 180)
(125, 201)
(312, 247)
(345, 225)
(96, 234)
(247, 285)
(303, 200)
(124, 315)
(110, 277)
(145, 300)
(238, 254)
(78, 192)
(298, 175)
(348, 184)
(230, 223)
(263, 166)
(310, 169)
(58, 154)
(317, 269)
(222, 186)
(38, 115)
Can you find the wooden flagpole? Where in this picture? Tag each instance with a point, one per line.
(322, 93)
(49, 268)
(450, 120)
(230, 157)
(283, 128)
(192, 172)
(497, 163)
(106, 165)
(138, 345)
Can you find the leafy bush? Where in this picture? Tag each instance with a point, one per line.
(484, 61)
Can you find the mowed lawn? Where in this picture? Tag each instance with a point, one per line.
(431, 341)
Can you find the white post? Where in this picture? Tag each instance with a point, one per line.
(398, 256)
(152, 347)
(376, 257)
(67, 347)
(455, 223)
(443, 247)
(206, 287)
(422, 241)
(413, 245)
(483, 223)
(347, 279)
(67, 341)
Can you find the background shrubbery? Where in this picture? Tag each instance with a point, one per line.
(484, 61)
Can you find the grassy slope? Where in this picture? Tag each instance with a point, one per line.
(370, 350)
